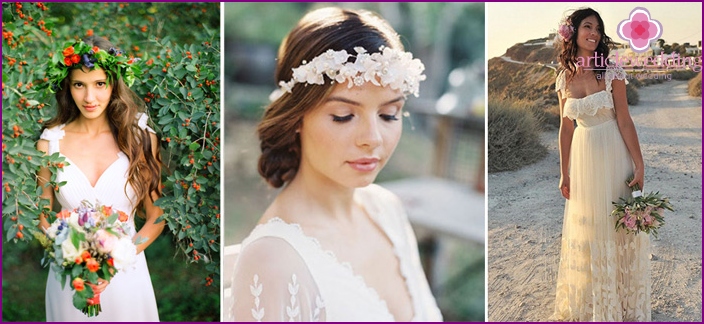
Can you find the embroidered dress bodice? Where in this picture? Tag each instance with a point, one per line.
(282, 274)
(595, 108)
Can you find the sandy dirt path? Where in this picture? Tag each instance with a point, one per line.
(526, 212)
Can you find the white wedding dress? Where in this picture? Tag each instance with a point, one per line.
(130, 296)
(283, 275)
(604, 275)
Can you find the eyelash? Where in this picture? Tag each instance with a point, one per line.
(343, 119)
(99, 84)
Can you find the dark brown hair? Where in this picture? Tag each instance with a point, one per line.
(143, 173)
(319, 30)
(568, 50)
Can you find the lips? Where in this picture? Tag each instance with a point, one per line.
(90, 108)
(364, 164)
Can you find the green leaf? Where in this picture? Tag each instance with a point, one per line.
(194, 146)
(79, 302)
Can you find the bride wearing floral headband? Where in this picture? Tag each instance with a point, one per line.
(333, 246)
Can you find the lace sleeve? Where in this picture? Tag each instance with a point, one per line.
(560, 83)
(614, 72)
(272, 283)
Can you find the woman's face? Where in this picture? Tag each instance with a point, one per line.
(90, 91)
(588, 35)
(350, 136)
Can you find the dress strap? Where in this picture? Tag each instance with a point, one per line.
(142, 120)
(53, 136)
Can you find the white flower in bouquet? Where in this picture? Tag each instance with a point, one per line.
(70, 252)
(73, 221)
(124, 254)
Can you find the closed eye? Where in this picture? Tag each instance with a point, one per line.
(342, 119)
(388, 118)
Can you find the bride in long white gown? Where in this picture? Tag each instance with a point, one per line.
(332, 246)
(604, 275)
(95, 108)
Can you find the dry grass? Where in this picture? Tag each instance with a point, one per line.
(514, 135)
(695, 86)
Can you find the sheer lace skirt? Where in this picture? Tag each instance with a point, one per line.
(604, 275)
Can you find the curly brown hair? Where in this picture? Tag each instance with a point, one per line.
(319, 30)
(144, 171)
(567, 52)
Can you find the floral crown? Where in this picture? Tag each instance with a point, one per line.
(389, 67)
(565, 30)
(79, 54)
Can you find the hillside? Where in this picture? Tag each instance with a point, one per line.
(532, 54)
(530, 83)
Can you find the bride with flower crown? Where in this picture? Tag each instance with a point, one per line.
(333, 246)
(112, 158)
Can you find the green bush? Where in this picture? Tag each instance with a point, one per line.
(514, 135)
(180, 51)
(695, 86)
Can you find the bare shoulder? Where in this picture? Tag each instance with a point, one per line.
(43, 145)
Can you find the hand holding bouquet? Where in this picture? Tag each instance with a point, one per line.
(641, 213)
(88, 245)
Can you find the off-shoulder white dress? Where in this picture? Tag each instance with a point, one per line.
(130, 296)
(281, 274)
(604, 275)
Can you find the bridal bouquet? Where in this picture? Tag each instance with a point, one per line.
(87, 244)
(641, 213)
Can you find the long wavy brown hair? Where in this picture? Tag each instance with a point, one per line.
(568, 50)
(144, 171)
(319, 30)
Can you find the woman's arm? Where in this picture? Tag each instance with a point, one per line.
(43, 177)
(628, 130)
(151, 230)
(565, 144)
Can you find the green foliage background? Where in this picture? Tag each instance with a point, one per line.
(179, 47)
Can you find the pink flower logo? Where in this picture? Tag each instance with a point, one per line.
(639, 29)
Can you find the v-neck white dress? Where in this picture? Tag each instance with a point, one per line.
(282, 274)
(130, 295)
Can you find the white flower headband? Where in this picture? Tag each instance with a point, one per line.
(390, 67)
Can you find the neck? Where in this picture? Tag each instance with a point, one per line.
(92, 126)
(320, 196)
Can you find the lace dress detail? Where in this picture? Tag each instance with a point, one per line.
(603, 275)
(290, 277)
(590, 104)
(129, 296)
